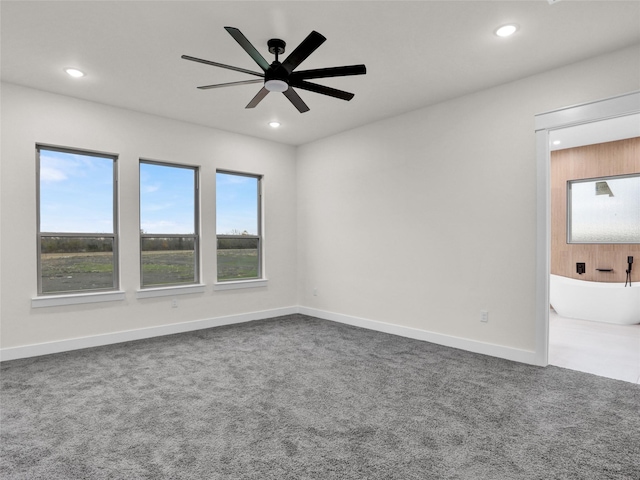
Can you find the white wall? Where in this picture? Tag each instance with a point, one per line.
(31, 116)
(425, 219)
(419, 221)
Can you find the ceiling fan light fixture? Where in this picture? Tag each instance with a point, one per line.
(506, 30)
(276, 85)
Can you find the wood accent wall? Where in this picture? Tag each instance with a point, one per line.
(601, 160)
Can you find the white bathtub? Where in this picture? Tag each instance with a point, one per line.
(597, 301)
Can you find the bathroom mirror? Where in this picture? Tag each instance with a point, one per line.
(604, 210)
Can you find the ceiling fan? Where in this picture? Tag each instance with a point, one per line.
(281, 77)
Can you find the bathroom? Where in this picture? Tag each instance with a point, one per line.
(594, 322)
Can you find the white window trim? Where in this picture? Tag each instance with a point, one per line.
(170, 291)
(76, 299)
(235, 285)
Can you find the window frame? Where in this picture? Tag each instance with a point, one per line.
(196, 226)
(569, 208)
(114, 235)
(259, 279)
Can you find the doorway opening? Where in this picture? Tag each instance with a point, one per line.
(560, 341)
(594, 323)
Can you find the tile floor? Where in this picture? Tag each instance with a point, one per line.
(600, 348)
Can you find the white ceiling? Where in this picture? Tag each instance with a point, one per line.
(417, 53)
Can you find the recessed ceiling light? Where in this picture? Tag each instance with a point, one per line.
(274, 124)
(556, 142)
(506, 30)
(74, 72)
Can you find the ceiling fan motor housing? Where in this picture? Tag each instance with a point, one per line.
(275, 77)
(276, 46)
(276, 72)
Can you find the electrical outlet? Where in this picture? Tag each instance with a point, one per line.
(484, 316)
(174, 303)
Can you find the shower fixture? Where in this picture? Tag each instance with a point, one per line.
(602, 188)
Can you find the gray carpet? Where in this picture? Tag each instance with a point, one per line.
(301, 398)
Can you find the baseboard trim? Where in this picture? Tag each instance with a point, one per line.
(15, 353)
(508, 353)
(500, 351)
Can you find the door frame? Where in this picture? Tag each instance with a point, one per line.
(546, 122)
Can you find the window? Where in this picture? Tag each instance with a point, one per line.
(238, 226)
(168, 224)
(604, 210)
(77, 237)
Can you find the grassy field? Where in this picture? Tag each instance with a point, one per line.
(67, 272)
(237, 264)
(168, 268)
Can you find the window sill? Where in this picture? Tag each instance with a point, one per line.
(234, 285)
(169, 291)
(76, 299)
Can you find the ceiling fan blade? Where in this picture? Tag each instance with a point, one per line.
(258, 98)
(330, 72)
(231, 84)
(294, 98)
(248, 47)
(314, 87)
(221, 65)
(302, 51)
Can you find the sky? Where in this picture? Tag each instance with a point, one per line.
(236, 204)
(167, 199)
(76, 195)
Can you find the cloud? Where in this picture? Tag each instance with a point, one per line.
(49, 174)
(150, 188)
(156, 225)
(166, 227)
(231, 179)
(156, 207)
